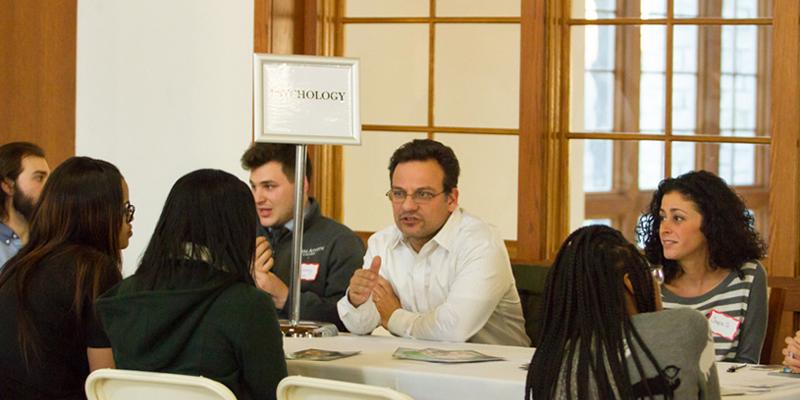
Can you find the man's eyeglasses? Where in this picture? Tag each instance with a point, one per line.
(129, 209)
(398, 196)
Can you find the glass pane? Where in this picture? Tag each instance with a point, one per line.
(596, 9)
(685, 8)
(684, 80)
(486, 94)
(599, 102)
(737, 163)
(598, 86)
(394, 71)
(366, 178)
(653, 79)
(598, 164)
(733, 74)
(683, 158)
(493, 181)
(477, 8)
(736, 9)
(387, 8)
(653, 9)
(651, 103)
(651, 164)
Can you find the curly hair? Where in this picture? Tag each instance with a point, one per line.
(727, 223)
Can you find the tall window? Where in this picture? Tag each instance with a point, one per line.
(662, 87)
(441, 69)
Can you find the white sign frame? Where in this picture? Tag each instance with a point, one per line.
(342, 128)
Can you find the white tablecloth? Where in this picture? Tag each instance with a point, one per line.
(757, 382)
(420, 380)
(497, 380)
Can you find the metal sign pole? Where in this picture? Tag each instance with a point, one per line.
(297, 237)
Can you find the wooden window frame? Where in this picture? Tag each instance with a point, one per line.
(543, 196)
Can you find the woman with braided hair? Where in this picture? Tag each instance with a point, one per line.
(603, 335)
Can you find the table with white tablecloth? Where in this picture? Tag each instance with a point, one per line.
(421, 380)
(757, 382)
(496, 380)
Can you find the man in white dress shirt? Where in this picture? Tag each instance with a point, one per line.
(439, 273)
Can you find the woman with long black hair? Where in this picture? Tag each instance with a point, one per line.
(601, 336)
(50, 338)
(192, 306)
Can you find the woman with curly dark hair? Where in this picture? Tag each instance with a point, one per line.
(702, 234)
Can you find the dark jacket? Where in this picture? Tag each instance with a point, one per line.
(206, 324)
(331, 253)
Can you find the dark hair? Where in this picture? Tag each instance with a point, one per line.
(727, 224)
(78, 217)
(11, 155)
(261, 153)
(427, 149)
(209, 216)
(586, 325)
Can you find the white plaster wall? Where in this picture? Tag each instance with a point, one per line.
(163, 88)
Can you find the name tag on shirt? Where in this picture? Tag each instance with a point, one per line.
(723, 325)
(309, 271)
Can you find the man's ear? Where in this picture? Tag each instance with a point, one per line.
(8, 186)
(452, 199)
(306, 185)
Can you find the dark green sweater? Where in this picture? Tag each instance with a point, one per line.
(206, 325)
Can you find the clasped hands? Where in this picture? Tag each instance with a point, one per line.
(366, 282)
(791, 353)
(262, 274)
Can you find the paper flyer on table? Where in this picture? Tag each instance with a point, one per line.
(443, 356)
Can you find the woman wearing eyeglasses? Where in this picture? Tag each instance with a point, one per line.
(702, 234)
(50, 337)
(192, 306)
(603, 336)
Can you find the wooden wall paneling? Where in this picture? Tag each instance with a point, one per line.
(37, 74)
(784, 199)
(532, 125)
(542, 216)
(784, 250)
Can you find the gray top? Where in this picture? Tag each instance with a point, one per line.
(680, 338)
(681, 343)
(744, 299)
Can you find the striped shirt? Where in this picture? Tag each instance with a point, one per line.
(744, 299)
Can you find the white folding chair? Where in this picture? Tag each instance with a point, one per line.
(298, 387)
(119, 384)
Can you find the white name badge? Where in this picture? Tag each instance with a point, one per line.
(308, 271)
(723, 325)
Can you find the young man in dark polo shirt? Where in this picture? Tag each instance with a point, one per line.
(331, 251)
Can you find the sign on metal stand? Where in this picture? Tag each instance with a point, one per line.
(305, 100)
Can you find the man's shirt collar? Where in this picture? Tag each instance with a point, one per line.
(445, 237)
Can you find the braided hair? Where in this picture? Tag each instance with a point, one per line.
(586, 330)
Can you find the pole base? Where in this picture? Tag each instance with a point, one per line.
(308, 329)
